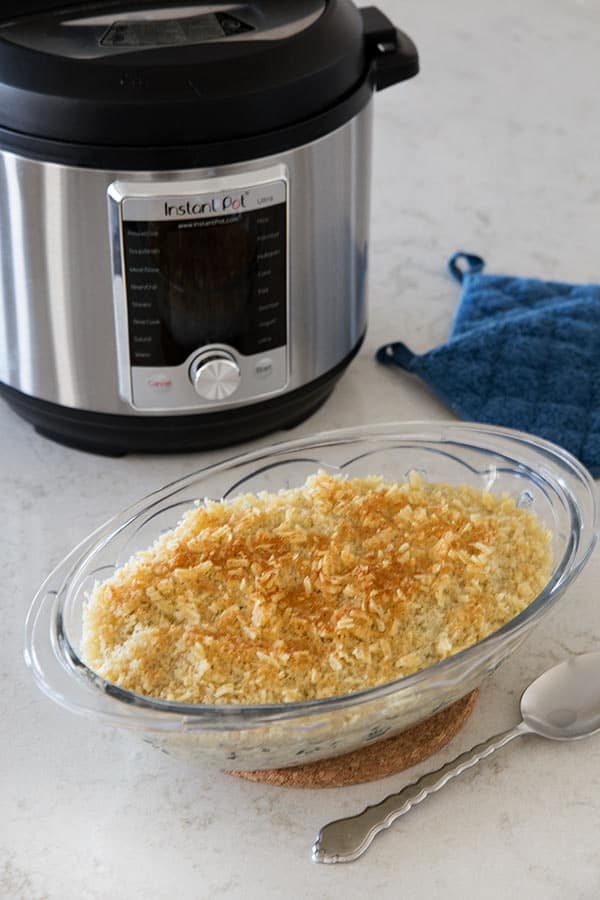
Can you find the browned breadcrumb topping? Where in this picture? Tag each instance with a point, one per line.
(314, 592)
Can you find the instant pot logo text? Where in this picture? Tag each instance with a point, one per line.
(216, 206)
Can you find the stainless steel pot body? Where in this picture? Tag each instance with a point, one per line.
(61, 333)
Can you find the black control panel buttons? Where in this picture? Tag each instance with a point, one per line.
(214, 280)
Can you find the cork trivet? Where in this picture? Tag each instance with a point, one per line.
(379, 759)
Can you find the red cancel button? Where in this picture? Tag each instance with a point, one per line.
(160, 383)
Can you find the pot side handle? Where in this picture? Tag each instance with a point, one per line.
(393, 55)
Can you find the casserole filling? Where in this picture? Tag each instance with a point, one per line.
(314, 592)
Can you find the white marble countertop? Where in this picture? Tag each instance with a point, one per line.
(493, 149)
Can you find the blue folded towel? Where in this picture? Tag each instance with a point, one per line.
(522, 353)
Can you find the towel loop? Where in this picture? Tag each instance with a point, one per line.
(395, 354)
(474, 264)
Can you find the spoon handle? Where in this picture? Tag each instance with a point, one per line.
(346, 839)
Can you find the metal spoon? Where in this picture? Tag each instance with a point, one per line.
(563, 704)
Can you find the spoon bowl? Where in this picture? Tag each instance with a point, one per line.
(563, 704)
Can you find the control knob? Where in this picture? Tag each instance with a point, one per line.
(215, 375)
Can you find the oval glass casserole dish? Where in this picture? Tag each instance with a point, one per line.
(538, 475)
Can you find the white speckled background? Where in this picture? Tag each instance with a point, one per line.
(495, 149)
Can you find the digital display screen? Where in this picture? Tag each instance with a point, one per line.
(216, 263)
(218, 280)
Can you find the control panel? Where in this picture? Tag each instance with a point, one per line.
(201, 291)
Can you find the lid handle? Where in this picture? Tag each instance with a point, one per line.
(393, 55)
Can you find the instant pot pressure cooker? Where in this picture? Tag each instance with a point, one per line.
(184, 201)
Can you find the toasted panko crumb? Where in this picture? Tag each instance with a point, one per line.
(313, 592)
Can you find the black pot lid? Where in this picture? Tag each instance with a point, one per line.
(181, 72)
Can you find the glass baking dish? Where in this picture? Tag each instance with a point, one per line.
(539, 475)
